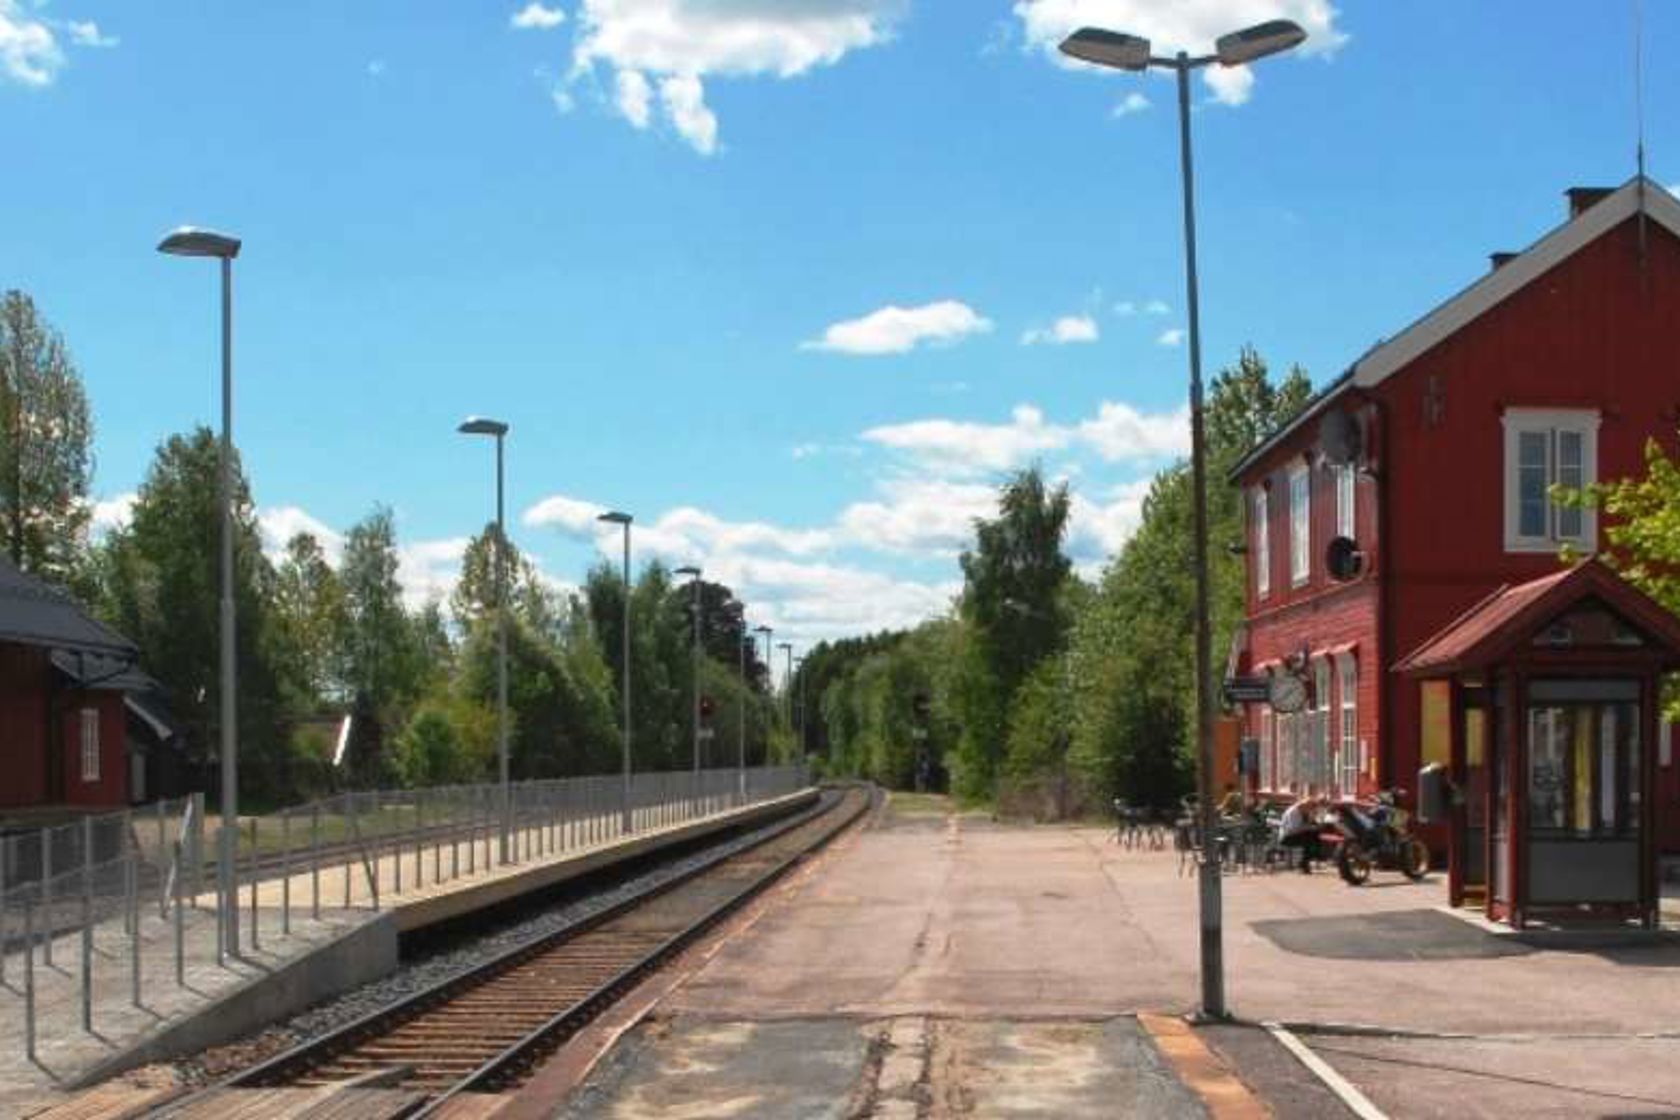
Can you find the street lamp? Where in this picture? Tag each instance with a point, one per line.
(804, 718)
(483, 426)
(693, 572)
(614, 517)
(1129, 52)
(190, 242)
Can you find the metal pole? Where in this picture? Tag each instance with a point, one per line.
(315, 860)
(696, 687)
(1212, 933)
(87, 924)
(285, 873)
(29, 978)
(256, 876)
(132, 888)
(501, 651)
(228, 712)
(741, 731)
(625, 817)
(180, 950)
(46, 895)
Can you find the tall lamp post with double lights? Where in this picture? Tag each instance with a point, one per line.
(693, 574)
(190, 242)
(1129, 52)
(615, 517)
(769, 682)
(484, 426)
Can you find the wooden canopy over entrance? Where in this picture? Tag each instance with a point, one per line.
(1554, 701)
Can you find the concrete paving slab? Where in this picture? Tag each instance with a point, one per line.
(1539, 1078)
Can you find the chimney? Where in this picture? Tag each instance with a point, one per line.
(1582, 198)
(1500, 260)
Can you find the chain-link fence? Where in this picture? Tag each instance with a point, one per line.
(100, 891)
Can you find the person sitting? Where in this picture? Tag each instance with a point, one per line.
(1233, 803)
(1299, 828)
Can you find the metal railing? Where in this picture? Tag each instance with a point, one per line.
(94, 893)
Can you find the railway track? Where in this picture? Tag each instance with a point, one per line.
(484, 1030)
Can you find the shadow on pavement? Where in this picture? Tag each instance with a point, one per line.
(1399, 935)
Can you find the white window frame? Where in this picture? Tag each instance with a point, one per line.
(1300, 525)
(1347, 497)
(89, 729)
(1262, 543)
(1549, 421)
(1323, 772)
(1347, 690)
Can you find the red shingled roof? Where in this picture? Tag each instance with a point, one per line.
(1489, 630)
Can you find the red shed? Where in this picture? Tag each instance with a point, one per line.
(1434, 454)
(63, 735)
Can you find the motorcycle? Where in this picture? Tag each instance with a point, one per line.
(1377, 834)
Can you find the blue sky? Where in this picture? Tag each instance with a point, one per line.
(794, 281)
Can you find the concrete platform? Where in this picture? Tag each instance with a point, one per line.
(345, 947)
(1008, 952)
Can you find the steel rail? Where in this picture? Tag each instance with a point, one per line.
(512, 1062)
(320, 1052)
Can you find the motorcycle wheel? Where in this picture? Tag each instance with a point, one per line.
(1414, 859)
(1353, 866)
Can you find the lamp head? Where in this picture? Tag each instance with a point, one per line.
(1241, 47)
(190, 241)
(1112, 49)
(686, 570)
(482, 426)
(615, 517)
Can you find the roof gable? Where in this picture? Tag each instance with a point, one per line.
(1633, 197)
(34, 614)
(1513, 616)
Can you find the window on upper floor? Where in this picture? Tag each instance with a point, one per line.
(1300, 525)
(1345, 497)
(1262, 545)
(1546, 447)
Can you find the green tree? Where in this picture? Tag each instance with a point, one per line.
(1133, 659)
(161, 587)
(312, 616)
(46, 458)
(1013, 578)
(383, 667)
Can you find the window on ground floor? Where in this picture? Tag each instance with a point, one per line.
(90, 744)
(1348, 690)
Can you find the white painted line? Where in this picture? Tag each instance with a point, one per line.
(1358, 1103)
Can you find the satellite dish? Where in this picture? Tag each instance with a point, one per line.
(1343, 559)
(1339, 438)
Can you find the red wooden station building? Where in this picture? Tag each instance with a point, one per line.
(1433, 455)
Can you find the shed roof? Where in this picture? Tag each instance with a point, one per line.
(1491, 629)
(35, 614)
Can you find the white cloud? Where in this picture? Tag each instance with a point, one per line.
(1128, 307)
(919, 515)
(29, 51)
(1098, 529)
(535, 17)
(1069, 328)
(1231, 85)
(86, 33)
(428, 570)
(279, 524)
(376, 68)
(1173, 336)
(684, 100)
(110, 514)
(568, 515)
(635, 97)
(1120, 433)
(686, 41)
(966, 446)
(897, 330)
(1190, 25)
(1133, 102)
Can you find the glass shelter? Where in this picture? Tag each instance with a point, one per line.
(1554, 692)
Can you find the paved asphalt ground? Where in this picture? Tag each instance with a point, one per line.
(941, 966)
